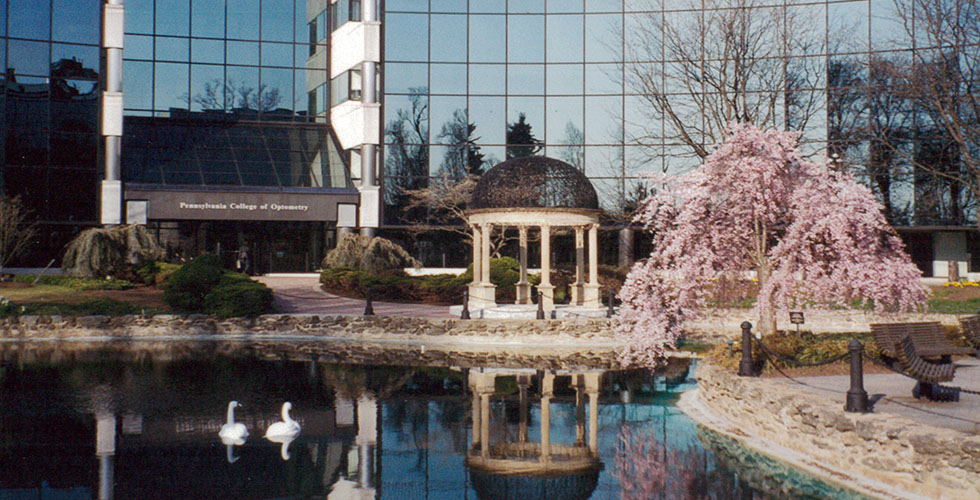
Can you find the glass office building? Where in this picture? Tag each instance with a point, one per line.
(260, 102)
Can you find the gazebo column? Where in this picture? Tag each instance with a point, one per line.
(546, 288)
(482, 293)
(592, 288)
(592, 388)
(578, 288)
(547, 389)
(523, 287)
(523, 381)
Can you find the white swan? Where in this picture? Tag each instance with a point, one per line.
(233, 433)
(287, 429)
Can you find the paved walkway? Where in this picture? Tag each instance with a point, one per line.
(962, 415)
(301, 294)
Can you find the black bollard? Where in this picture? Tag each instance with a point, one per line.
(746, 367)
(857, 397)
(540, 305)
(609, 310)
(368, 306)
(466, 305)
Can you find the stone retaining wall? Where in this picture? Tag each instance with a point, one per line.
(360, 327)
(930, 461)
(727, 322)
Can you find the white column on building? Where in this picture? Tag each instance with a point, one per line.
(112, 112)
(369, 151)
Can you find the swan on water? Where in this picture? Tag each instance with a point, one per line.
(233, 433)
(288, 428)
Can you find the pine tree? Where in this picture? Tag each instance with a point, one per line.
(520, 139)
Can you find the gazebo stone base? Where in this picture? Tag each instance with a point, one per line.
(482, 295)
(530, 311)
(592, 295)
(523, 292)
(547, 296)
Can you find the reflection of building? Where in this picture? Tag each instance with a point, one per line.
(213, 102)
(525, 469)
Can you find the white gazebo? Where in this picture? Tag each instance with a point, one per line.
(535, 193)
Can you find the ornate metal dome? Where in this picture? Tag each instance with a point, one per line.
(534, 182)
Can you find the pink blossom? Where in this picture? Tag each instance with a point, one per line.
(814, 238)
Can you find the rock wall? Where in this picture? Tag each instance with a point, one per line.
(726, 322)
(930, 461)
(356, 327)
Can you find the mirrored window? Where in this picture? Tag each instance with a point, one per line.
(28, 58)
(526, 7)
(487, 79)
(207, 87)
(3, 32)
(243, 19)
(277, 54)
(138, 46)
(446, 114)
(533, 110)
(487, 113)
(206, 51)
(207, 18)
(30, 19)
(402, 77)
(139, 16)
(275, 92)
(565, 38)
(488, 40)
(488, 6)
(277, 20)
(604, 120)
(603, 79)
(173, 17)
(173, 49)
(447, 6)
(406, 37)
(243, 52)
(407, 119)
(448, 38)
(605, 161)
(406, 6)
(603, 38)
(566, 6)
(525, 79)
(887, 29)
(642, 124)
(138, 85)
(526, 39)
(170, 86)
(448, 79)
(76, 21)
(565, 120)
(849, 24)
(605, 5)
(565, 79)
(84, 66)
(243, 87)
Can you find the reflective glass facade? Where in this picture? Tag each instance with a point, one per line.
(50, 100)
(228, 92)
(581, 74)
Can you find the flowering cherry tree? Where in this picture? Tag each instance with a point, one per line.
(813, 237)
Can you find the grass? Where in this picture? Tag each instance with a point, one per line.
(101, 306)
(60, 295)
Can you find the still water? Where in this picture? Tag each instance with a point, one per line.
(137, 421)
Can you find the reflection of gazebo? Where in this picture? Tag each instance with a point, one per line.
(504, 469)
(527, 192)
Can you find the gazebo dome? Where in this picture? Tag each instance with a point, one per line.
(534, 182)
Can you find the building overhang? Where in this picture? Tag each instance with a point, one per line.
(171, 202)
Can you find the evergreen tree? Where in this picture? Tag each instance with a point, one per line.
(520, 139)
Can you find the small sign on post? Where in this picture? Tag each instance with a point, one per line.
(796, 318)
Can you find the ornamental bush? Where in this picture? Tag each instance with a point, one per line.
(186, 288)
(237, 295)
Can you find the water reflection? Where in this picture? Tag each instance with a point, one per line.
(128, 423)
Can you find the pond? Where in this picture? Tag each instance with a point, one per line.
(133, 420)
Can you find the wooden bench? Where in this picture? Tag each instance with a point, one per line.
(971, 330)
(920, 369)
(928, 338)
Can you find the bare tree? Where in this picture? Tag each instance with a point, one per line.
(231, 95)
(723, 61)
(943, 86)
(16, 228)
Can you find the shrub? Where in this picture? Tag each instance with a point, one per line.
(504, 272)
(237, 295)
(187, 286)
(368, 254)
(167, 270)
(395, 285)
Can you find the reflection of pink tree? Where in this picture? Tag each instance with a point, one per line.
(647, 469)
(812, 236)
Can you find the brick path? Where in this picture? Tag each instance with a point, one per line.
(301, 294)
